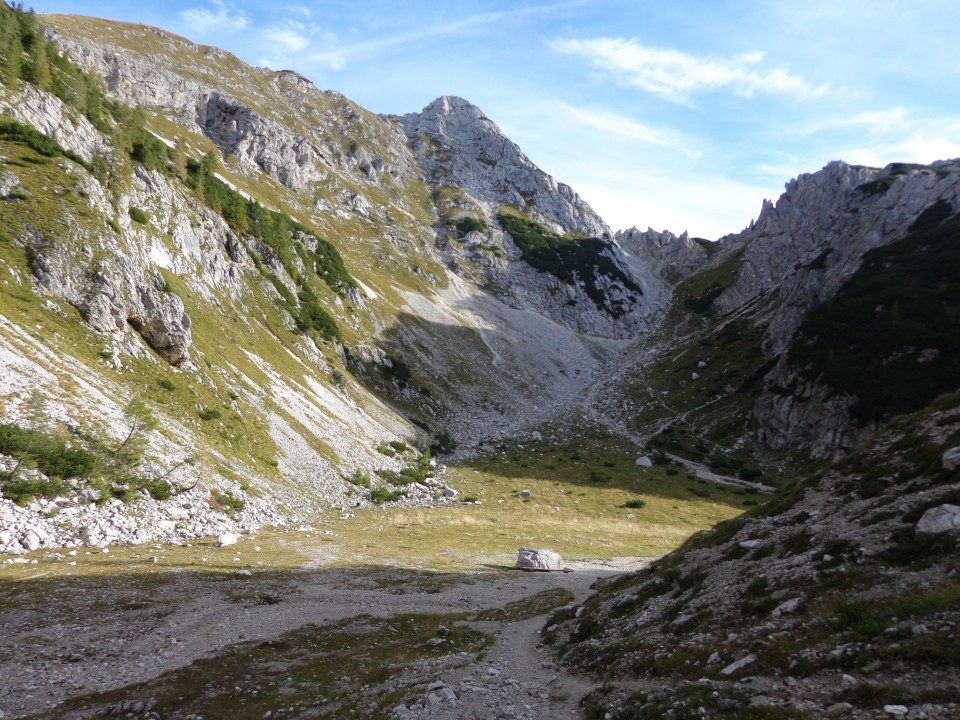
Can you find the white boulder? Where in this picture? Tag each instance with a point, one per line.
(539, 560)
(951, 459)
(938, 520)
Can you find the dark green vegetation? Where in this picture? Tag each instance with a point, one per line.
(442, 443)
(35, 140)
(108, 467)
(571, 260)
(289, 242)
(891, 335)
(894, 172)
(27, 56)
(469, 224)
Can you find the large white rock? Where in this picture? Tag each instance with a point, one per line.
(939, 520)
(951, 459)
(538, 560)
(226, 539)
(739, 664)
(644, 461)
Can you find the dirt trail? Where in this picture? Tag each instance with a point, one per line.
(518, 679)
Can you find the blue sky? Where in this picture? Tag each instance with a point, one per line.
(676, 115)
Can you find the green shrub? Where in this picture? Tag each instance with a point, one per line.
(569, 260)
(891, 335)
(139, 216)
(361, 478)
(22, 491)
(384, 449)
(470, 224)
(399, 446)
(442, 443)
(38, 142)
(46, 451)
(230, 503)
(397, 370)
(158, 489)
(635, 503)
(209, 414)
(165, 384)
(381, 494)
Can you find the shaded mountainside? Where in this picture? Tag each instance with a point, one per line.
(836, 598)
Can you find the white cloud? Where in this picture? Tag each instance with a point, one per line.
(675, 75)
(332, 59)
(875, 122)
(287, 38)
(916, 149)
(611, 123)
(222, 19)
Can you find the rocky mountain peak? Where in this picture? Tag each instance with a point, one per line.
(455, 144)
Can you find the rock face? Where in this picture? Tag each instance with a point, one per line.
(951, 459)
(456, 145)
(474, 171)
(798, 254)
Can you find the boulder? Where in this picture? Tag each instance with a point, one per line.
(539, 560)
(226, 539)
(938, 520)
(739, 664)
(788, 607)
(951, 459)
(644, 461)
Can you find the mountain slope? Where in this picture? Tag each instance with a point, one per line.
(837, 598)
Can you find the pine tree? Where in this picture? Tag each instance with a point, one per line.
(39, 63)
(179, 160)
(12, 63)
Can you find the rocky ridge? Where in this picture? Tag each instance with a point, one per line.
(804, 249)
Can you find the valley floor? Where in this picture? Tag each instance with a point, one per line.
(232, 632)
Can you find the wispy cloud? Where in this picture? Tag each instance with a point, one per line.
(611, 123)
(875, 122)
(289, 39)
(453, 27)
(222, 18)
(676, 76)
(290, 35)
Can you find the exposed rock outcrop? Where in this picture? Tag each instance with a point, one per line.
(797, 255)
(456, 145)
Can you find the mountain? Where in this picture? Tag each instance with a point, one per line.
(230, 299)
(287, 282)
